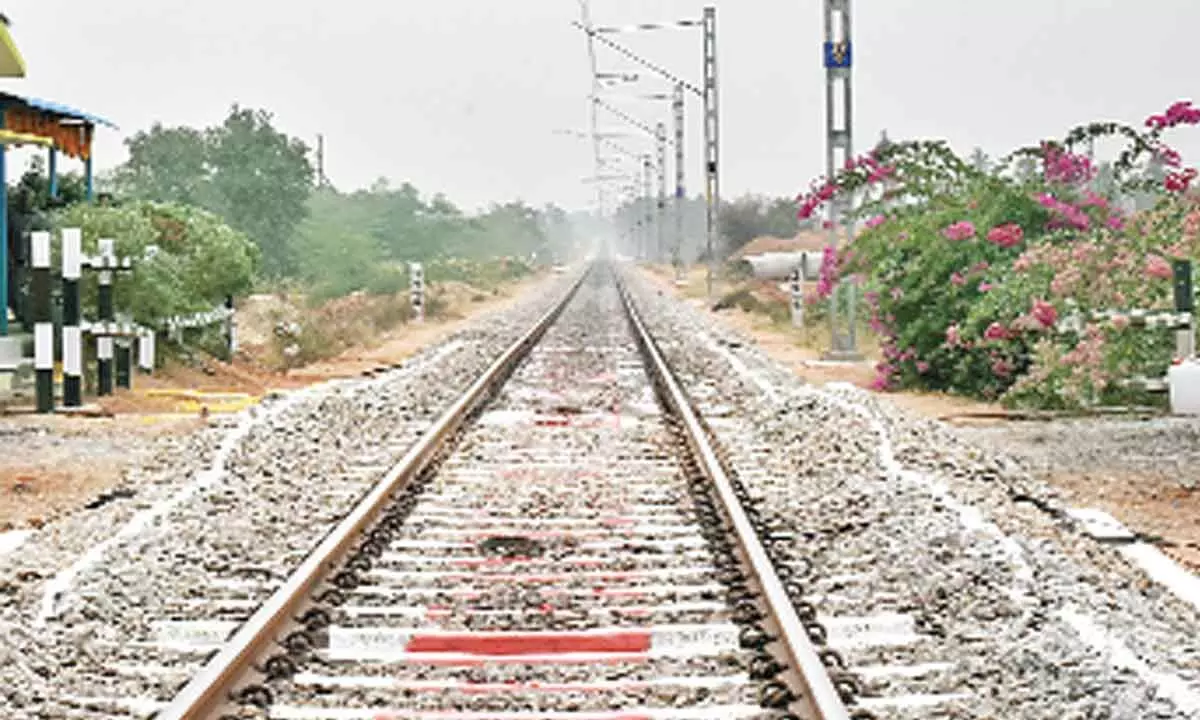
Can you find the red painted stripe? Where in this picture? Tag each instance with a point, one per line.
(496, 561)
(467, 660)
(598, 578)
(530, 715)
(533, 643)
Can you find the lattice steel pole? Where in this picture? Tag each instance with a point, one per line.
(712, 142)
(839, 57)
(648, 203)
(661, 245)
(680, 194)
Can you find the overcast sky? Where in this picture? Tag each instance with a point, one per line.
(462, 96)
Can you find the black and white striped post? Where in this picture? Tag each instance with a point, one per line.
(104, 302)
(72, 335)
(43, 326)
(796, 279)
(1185, 304)
(124, 353)
(417, 287)
(231, 339)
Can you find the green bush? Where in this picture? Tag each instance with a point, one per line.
(200, 260)
(971, 272)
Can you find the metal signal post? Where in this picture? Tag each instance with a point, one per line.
(839, 57)
(677, 108)
(661, 245)
(647, 181)
(712, 143)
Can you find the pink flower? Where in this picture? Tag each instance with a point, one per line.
(1179, 181)
(1006, 236)
(1065, 167)
(1179, 113)
(953, 337)
(996, 331)
(922, 367)
(1022, 263)
(985, 286)
(1091, 199)
(1065, 214)
(875, 222)
(1044, 313)
(1158, 267)
(962, 230)
(1120, 322)
(1001, 368)
(958, 280)
(1169, 156)
(828, 272)
(897, 293)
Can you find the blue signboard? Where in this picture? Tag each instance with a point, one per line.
(838, 55)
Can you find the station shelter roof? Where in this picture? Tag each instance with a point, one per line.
(69, 130)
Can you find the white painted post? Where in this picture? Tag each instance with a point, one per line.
(146, 351)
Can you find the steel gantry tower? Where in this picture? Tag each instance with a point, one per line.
(709, 94)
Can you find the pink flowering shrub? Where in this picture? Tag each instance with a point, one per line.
(984, 284)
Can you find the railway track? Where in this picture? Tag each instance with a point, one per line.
(562, 543)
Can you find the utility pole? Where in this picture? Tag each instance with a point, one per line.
(708, 93)
(838, 62)
(677, 107)
(712, 139)
(661, 244)
(320, 160)
(648, 203)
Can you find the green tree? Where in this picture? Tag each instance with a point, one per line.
(261, 181)
(167, 165)
(253, 176)
(750, 217)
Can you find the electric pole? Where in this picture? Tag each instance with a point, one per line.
(321, 161)
(677, 107)
(712, 141)
(838, 62)
(661, 244)
(709, 94)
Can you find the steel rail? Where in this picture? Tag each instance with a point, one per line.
(805, 663)
(208, 691)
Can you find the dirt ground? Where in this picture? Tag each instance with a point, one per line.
(62, 463)
(1157, 497)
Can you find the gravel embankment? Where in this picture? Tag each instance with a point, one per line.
(291, 468)
(993, 594)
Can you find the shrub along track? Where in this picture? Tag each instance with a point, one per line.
(563, 542)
